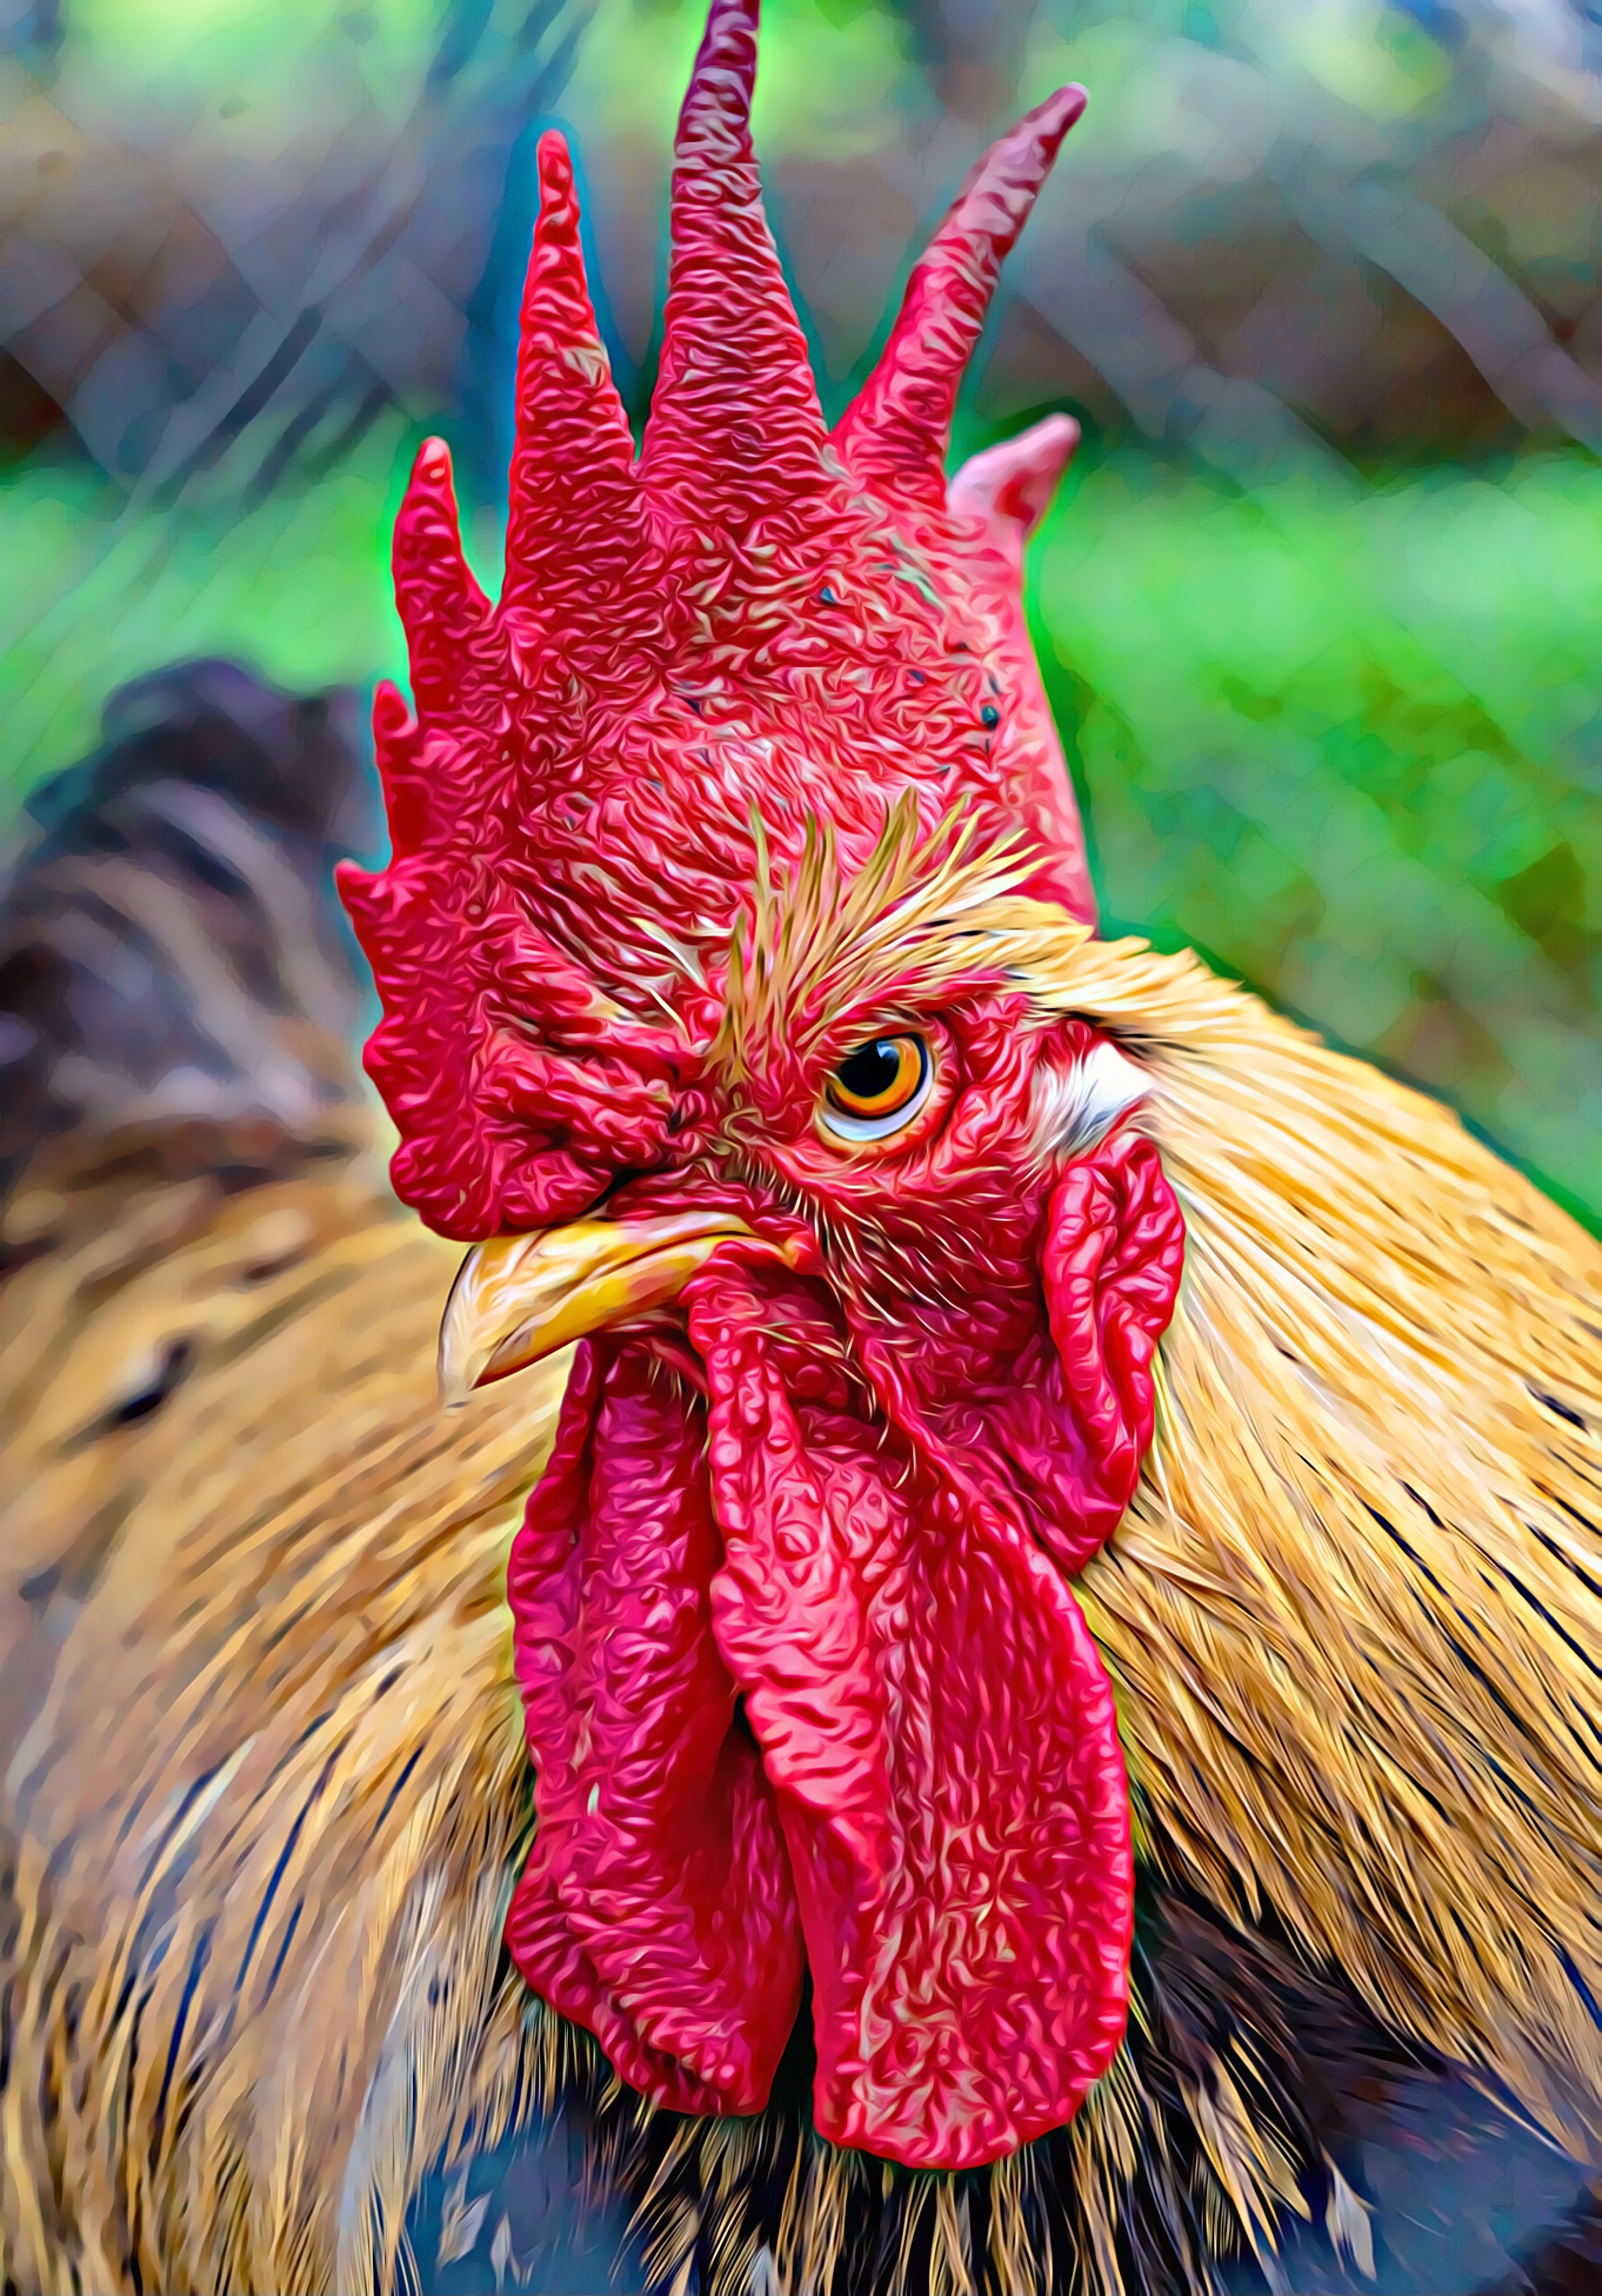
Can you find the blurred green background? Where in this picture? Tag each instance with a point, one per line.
(1319, 605)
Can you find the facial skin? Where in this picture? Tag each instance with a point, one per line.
(929, 1235)
(805, 1683)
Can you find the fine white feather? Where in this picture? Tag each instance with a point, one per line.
(1075, 1107)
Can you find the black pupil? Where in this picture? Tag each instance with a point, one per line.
(872, 1069)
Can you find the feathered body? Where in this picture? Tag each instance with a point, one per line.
(253, 1977)
(270, 1803)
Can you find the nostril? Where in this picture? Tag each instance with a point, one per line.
(626, 1178)
(614, 1186)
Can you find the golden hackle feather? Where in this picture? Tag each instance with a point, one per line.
(1354, 1614)
(1351, 1612)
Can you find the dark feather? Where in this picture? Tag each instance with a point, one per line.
(176, 985)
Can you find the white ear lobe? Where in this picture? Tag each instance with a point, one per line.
(1074, 1108)
(1014, 483)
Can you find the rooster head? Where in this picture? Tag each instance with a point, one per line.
(736, 877)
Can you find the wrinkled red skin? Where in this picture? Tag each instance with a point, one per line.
(846, 1493)
(894, 1493)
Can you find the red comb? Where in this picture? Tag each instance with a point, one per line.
(749, 619)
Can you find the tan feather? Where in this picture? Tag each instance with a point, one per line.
(268, 1813)
(1355, 1609)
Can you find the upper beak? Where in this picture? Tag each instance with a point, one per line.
(519, 1297)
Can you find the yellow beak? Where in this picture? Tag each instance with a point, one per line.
(519, 1297)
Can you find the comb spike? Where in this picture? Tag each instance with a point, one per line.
(575, 526)
(443, 612)
(894, 435)
(735, 433)
(409, 789)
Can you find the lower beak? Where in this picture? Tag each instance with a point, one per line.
(521, 1298)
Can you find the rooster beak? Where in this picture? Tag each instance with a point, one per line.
(519, 1297)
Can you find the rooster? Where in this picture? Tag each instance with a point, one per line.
(988, 1667)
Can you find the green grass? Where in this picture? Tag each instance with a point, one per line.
(298, 587)
(1349, 745)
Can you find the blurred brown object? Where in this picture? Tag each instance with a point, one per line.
(177, 993)
(195, 316)
(178, 1004)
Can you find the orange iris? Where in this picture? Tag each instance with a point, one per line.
(879, 1078)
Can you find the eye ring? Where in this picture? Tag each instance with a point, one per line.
(878, 1088)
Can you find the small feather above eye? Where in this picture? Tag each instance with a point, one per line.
(1075, 1107)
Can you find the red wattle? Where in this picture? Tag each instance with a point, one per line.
(656, 1908)
(939, 1769)
(940, 1734)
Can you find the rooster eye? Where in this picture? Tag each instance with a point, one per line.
(878, 1088)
